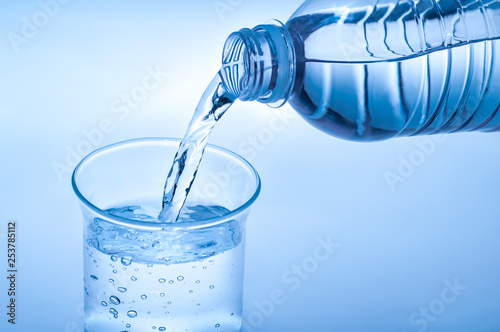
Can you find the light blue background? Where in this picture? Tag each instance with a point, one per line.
(397, 248)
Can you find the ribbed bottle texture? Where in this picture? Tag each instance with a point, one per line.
(372, 70)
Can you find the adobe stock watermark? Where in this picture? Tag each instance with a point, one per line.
(426, 315)
(292, 279)
(408, 165)
(249, 149)
(353, 42)
(121, 108)
(32, 25)
(73, 326)
(223, 7)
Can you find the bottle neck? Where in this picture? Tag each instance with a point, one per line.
(259, 64)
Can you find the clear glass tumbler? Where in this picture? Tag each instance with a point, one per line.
(142, 275)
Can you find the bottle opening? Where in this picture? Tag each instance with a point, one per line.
(259, 64)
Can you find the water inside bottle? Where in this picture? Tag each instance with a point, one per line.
(361, 80)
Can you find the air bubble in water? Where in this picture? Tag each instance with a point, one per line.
(180, 278)
(104, 304)
(161, 328)
(128, 325)
(114, 258)
(133, 278)
(115, 272)
(211, 286)
(126, 261)
(122, 289)
(144, 296)
(162, 294)
(217, 325)
(113, 312)
(113, 299)
(171, 282)
(161, 281)
(132, 313)
(94, 277)
(197, 281)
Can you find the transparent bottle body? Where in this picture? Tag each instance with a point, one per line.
(372, 70)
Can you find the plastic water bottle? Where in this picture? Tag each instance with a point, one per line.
(368, 70)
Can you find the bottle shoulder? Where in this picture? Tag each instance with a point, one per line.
(370, 31)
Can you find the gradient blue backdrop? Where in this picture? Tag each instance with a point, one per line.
(397, 247)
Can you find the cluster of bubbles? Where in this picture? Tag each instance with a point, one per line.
(114, 300)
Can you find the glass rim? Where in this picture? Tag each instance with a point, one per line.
(183, 225)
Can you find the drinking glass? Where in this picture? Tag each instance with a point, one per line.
(144, 275)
